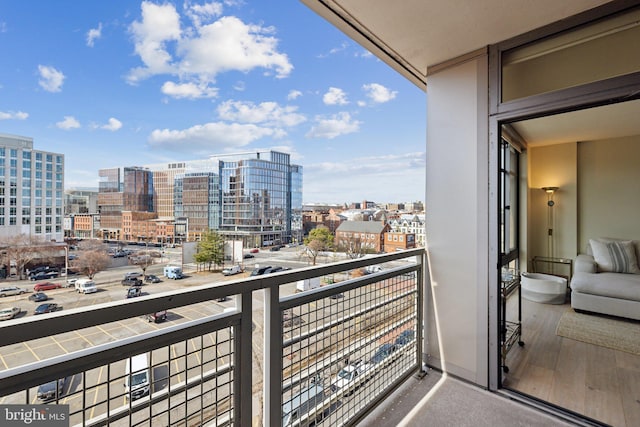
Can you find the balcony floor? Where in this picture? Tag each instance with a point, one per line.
(453, 403)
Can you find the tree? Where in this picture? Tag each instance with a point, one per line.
(210, 249)
(21, 249)
(354, 247)
(144, 259)
(319, 239)
(92, 259)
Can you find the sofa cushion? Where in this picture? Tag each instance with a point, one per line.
(613, 285)
(617, 256)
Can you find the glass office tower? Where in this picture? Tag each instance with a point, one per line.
(261, 199)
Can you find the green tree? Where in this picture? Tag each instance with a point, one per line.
(210, 249)
(319, 239)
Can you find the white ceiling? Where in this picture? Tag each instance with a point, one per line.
(610, 121)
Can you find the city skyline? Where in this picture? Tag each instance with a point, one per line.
(135, 83)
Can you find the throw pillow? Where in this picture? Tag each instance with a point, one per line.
(615, 256)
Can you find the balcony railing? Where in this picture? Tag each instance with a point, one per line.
(326, 355)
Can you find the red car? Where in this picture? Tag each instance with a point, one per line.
(254, 250)
(46, 286)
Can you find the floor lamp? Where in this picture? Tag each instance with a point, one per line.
(550, 203)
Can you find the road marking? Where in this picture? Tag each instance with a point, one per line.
(31, 350)
(104, 331)
(197, 353)
(3, 362)
(59, 345)
(95, 390)
(175, 360)
(84, 337)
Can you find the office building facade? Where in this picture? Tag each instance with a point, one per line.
(119, 190)
(31, 190)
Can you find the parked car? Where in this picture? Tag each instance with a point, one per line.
(44, 275)
(131, 282)
(384, 351)
(347, 375)
(260, 270)
(275, 248)
(247, 256)
(51, 390)
(152, 278)
(157, 317)
(46, 286)
(405, 337)
(134, 292)
(132, 275)
(11, 290)
(254, 250)
(235, 269)
(38, 297)
(8, 313)
(48, 307)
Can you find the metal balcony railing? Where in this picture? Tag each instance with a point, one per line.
(325, 356)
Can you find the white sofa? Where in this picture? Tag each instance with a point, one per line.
(600, 287)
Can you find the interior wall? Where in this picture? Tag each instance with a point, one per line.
(457, 199)
(609, 189)
(553, 166)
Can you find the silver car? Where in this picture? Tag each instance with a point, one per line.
(11, 290)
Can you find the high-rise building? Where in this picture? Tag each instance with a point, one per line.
(261, 199)
(80, 201)
(119, 190)
(257, 197)
(31, 190)
(197, 197)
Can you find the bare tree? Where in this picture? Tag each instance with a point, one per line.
(354, 247)
(23, 249)
(144, 259)
(92, 259)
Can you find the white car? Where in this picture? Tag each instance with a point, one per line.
(9, 313)
(11, 290)
(348, 375)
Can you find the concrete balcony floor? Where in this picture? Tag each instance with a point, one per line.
(452, 402)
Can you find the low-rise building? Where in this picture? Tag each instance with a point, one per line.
(361, 235)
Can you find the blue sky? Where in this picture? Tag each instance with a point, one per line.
(129, 83)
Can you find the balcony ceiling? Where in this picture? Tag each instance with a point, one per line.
(413, 35)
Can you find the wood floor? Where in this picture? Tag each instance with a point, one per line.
(600, 383)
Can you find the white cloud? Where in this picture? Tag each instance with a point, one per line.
(210, 137)
(50, 79)
(10, 115)
(160, 24)
(378, 93)
(93, 34)
(189, 90)
(240, 86)
(335, 96)
(334, 126)
(203, 12)
(113, 125)
(267, 113)
(294, 94)
(69, 122)
(197, 54)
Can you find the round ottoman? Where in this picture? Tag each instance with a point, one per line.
(543, 288)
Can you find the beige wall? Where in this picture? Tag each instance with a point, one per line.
(456, 226)
(609, 189)
(552, 166)
(598, 196)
